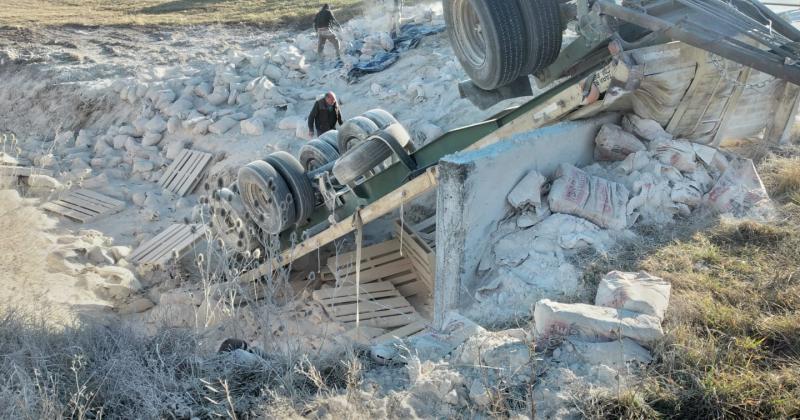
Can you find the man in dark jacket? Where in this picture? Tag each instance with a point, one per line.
(323, 22)
(324, 115)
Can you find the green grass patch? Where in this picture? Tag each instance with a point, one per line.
(26, 13)
(732, 343)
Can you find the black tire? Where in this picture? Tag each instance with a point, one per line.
(266, 197)
(383, 119)
(292, 172)
(488, 38)
(359, 160)
(380, 117)
(317, 153)
(331, 137)
(354, 131)
(542, 21)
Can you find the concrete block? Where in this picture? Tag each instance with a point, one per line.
(593, 323)
(638, 292)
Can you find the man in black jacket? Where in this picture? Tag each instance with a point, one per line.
(323, 22)
(324, 115)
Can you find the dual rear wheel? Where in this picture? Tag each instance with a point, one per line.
(497, 41)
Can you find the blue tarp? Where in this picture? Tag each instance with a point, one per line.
(410, 36)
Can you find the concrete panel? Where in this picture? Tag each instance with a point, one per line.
(471, 198)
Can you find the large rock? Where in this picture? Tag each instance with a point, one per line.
(44, 183)
(506, 351)
(456, 329)
(528, 191)
(252, 127)
(156, 125)
(222, 126)
(174, 148)
(121, 140)
(617, 354)
(112, 282)
(100, 255)
(593, 323)
(638, 292)
(152, 139)
(135, 306)
(612, 143)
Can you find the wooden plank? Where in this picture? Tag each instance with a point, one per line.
(369, 306)
(182, 246)
(173, 167)
(393, 321)
(166, 244)
(181, 173)
(368, 252)
(402, 332)
(779, 128)
(162, 242)
(64, 211)
(111, 202)
(381, 313)
(351, 290)
(80, 201)
(407, 192)
(8, 170)
(425, 225)
(146, 245)
(367, 264)
(61, 204)
(362, 297)
(194, 174)
(88, 213)
(380, 273)
(342, 266)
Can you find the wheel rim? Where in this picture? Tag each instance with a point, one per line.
(312, 165)
(230, 221)
(269, 213)
(469, 33)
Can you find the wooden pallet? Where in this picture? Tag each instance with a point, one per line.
(402, 332)
(380, 305)
(420, 252)
(84, 205)
(380, 262)
(160, 249)
(14, 170)
(184, 173)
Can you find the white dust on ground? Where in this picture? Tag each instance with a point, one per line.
(82, 101)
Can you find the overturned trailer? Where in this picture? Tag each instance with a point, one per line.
(741, 84)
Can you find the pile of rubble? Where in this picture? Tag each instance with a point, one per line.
(641, 175)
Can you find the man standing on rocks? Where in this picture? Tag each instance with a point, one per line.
(324, 115)
(323, 22)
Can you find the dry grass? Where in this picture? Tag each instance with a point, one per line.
(24, 13)
(732, 344)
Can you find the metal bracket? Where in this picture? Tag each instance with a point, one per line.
(485, 99)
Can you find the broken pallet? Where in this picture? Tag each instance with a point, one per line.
(84, 205)
(14, 170)
(160, 249)
(380, 262)
(420, 252)
(378, 304)
(183, 174)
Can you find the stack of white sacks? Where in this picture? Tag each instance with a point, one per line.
(641, 176)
